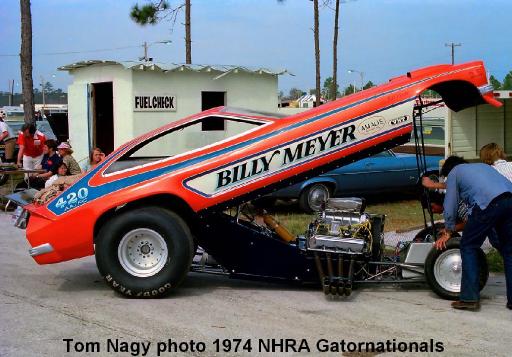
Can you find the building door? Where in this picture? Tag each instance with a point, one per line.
(103, 117)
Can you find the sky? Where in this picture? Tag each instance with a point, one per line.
(381, 38)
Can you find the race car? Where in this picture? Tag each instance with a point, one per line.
(149, 204)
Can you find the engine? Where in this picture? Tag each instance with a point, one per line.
(343, 227)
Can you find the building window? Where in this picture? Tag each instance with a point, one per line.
(211, 100)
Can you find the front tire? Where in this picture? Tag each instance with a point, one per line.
(144, 253)
(443, 270)
(312, 197)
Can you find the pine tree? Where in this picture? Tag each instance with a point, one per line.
(495, 83)
(153, 12)
(507, 82)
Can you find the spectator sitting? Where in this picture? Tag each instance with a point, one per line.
(50, 163)
(31, 142)
(95, 157)
(65, 153)
(62, 170)
(7, 136)
(494, 155)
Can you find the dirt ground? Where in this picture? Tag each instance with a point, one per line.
(40, 306)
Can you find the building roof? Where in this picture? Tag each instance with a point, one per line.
(174, 67)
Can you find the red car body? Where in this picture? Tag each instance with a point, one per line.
(277, 152)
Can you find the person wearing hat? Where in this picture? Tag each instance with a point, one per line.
(31, 142)
(8, 138)
(65, 152)
(38, 116)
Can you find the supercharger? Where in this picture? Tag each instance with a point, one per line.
(342, 227)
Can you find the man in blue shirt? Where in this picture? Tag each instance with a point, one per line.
(489, 198)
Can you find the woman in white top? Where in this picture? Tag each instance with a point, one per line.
(494, 155)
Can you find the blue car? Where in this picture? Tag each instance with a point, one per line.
(384, 172)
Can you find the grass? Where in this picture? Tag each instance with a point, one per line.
(495, 261)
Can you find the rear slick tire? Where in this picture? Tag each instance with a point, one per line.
(145, 252)
(443, 270)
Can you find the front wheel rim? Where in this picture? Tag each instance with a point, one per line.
(448, 270)
(142, 252)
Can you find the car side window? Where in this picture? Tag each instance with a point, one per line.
(182, 139)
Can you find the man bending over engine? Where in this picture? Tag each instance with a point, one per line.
(489, 198)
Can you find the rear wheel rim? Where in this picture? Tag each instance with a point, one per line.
(448, 270)
(317, 196)
(142, 252)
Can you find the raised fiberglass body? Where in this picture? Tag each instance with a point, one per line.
(266, 154)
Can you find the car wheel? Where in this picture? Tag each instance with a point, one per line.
(426, 235)
(443, 270)
(145, 252)
(434, 176)
(313, 197)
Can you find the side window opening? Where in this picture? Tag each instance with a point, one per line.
(214, 124)
(182, 139)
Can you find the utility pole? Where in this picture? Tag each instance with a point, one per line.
(11, 91)
(42, 91)
(188, 36)
(453, 45)
(145, 51)
(146, 46)
(361, 75)
(317, 52)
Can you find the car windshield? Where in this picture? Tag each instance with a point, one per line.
(433, 134)
(42, 125)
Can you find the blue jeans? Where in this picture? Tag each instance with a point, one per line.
(497, 215)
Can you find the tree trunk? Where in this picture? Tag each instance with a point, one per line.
(335, 52)
(188, 40)
(26, 61)
(317, 53)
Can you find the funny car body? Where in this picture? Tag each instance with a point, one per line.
(143, 211)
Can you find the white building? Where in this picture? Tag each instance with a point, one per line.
(470, 129)
(112, 102)
(308, 101)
